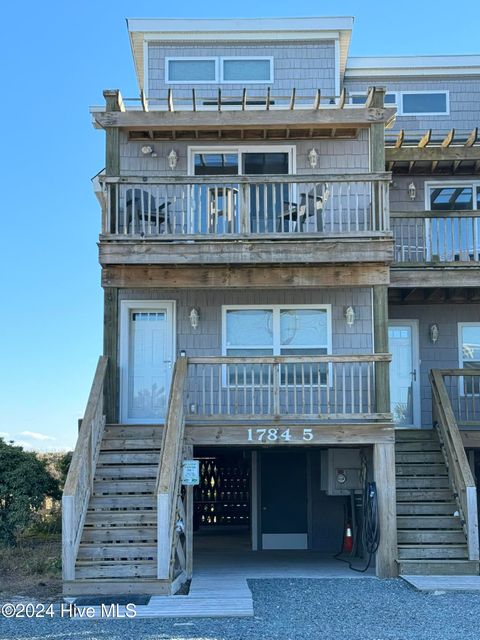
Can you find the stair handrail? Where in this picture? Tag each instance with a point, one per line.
(79, 483)
(459, 470)
(168, 476)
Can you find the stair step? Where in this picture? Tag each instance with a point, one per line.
(126, 471)
(134, 551)
(110, 535)
(417, 446)
(428, 522)
(424, 469)
(116, 586)
(124, 486)
(421, 457)
(424, 495)
(417, 482)
(409, 435)
(122, 502)
(132, 431)
(438, 567)
(123, 569)
(121, 518)
(441, 536)
(132, 444)
(429, 552)
(426, 508)
(128, 457)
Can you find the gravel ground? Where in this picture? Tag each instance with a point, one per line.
(333, 609)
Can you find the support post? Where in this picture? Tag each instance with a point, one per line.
(110, 340)
(380, 337)
(384, 475)
(113, 102)
(188, 454)
(377, 155)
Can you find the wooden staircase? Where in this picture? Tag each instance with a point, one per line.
(125, 528)
(431, 532)
(118, 547)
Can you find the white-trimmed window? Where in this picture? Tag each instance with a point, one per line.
(469, 352)
(424, 103)
(266, 330)
(214, 69)
(412, 103)
(360, 98)
(187, 70)
(248, 69)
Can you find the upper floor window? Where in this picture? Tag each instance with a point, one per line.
(219, 70)
(427, 103)
(412, 103)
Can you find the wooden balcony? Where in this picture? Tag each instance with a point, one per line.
(284, 400)
(435, 248)
(246, 219)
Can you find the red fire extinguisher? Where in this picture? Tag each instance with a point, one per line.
(347, 539)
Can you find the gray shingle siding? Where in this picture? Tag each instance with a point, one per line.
(306, 66)
(464, 96)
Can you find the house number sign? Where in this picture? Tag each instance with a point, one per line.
(279, 435)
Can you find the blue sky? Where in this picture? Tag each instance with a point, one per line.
(57, 57)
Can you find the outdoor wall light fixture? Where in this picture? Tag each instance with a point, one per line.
(313, 158)
(350, 316)
(434, 333)
(172, 159)
(147, 150)
(412, 191)
(194, 318)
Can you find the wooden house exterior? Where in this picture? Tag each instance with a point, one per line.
(289, 248)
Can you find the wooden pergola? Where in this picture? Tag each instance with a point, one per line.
(452, 152)
(242, 117)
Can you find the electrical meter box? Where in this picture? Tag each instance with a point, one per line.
(341, 472)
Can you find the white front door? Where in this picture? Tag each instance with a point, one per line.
(404, 373)
(146, 360)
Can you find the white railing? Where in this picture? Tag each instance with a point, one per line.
(79, 483)
(460, 474)
(223, 206)
(271, 387)
(436, 236)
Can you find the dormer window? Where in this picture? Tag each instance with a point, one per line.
(218, 70)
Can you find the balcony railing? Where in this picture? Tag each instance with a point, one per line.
(436, 236)
(321, 387)
(228, 206)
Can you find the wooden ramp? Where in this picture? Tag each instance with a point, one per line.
(444, 583)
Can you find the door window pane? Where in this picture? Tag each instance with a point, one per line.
(451, 198)
(191, 70)
(265, 163)
(413, 103)
(216, 164)
(246, 70)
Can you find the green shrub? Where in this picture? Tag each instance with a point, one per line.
(25, 482)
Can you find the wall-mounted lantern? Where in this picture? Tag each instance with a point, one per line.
(194, 318)
(350, 316)
(313, 157)
(412, 191)
(172, 159)
(434, 333)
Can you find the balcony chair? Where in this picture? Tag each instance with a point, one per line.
(140, 215)
(307, 215)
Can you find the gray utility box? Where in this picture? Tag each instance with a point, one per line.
(341, 471)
